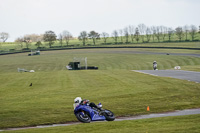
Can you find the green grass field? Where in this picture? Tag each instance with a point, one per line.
(124, 92)
(76, 43)
(178, 124)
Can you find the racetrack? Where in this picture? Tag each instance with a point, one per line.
(133, 51)
(179, 74)
(156, 115)
(122, 53)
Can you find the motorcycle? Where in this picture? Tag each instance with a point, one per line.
(86, 114)
(155, 65)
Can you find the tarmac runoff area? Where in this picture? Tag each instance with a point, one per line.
(175, 113)
(179, 74)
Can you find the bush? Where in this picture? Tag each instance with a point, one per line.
(187, 40)
(56, 46)
(196, 40)
(107, 44)
(147, 42)
(25, 49)
(11, 50)
(120, 43)
(41, 47)
(127, 42)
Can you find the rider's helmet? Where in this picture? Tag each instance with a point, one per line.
(77, 100)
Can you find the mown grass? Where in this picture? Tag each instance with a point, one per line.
(124, 92)
(160, 50)
(105, 59)
(178, 124)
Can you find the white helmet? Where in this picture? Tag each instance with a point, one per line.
(77, 100)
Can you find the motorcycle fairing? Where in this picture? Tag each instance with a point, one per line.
(93, 113)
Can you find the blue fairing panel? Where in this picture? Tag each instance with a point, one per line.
(93, 113)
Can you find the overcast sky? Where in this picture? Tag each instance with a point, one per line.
(20, 17)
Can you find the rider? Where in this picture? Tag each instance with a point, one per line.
(154, 65)
(78, 100)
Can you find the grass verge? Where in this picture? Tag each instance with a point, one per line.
(176, 124)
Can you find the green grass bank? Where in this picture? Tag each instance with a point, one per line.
(178, 124)
(124, 92)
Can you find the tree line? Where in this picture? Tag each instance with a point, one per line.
(143, 33)
(129, 34)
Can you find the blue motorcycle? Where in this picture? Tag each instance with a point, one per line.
(86, 114)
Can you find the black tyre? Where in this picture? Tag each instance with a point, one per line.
(109, 115)
(85, 119)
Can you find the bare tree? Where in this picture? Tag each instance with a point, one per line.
(163, 32)
(137, 34)
(153, 29)
(170, 33)
(27, 41)
(148, 33)
(83, 37)
(186, 30)
(142, 30)
(158, 33)
(94, 36)
(131, 29)
(105, 36)
(115, 36)
(121, 35)
(199, 30)
(20, 41)
(34, 37)
(193, 30)
(126, 34)
(4, 36)
(60, 38)
(179, 32)
(67, 36)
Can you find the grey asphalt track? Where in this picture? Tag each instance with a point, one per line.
(179, 74)
(174, 113)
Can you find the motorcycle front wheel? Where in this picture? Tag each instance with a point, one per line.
(83, 118)
(109, 115)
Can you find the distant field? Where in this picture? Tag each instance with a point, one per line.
(178, 124)
(124, 92)
(77, 44)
